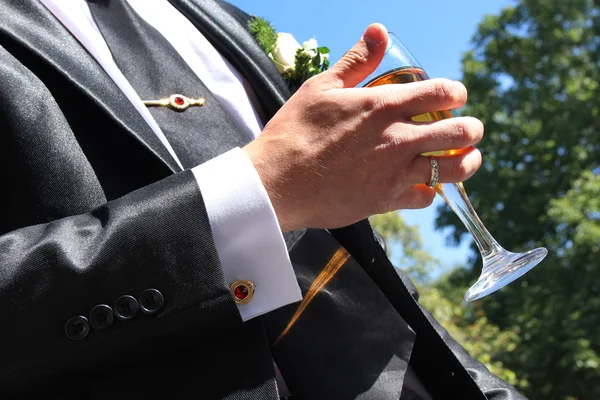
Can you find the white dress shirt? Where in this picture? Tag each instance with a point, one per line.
(245, 229)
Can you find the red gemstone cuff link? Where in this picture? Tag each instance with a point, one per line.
(243, 291)
(176, 102)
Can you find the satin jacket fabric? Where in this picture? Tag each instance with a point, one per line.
(88, 214)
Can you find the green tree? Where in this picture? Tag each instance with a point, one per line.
(405, 245)
(533, 75)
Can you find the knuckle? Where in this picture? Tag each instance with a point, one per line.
(386, 99)
(464, 167)
(450, 92)
(373, 104)
(354, 58)
(397, 141)
(462, 131)
(444, 90)
(311, 82)
(389, 100)
(469, 130)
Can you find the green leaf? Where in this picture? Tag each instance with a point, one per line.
(305, 67)
(264, 33)
(316, 61)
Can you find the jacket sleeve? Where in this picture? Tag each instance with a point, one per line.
(157, 237)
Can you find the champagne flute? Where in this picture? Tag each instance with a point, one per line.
(500, 266)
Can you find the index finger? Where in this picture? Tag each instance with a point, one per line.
(410, 99)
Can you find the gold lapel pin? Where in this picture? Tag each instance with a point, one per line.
(176, 102)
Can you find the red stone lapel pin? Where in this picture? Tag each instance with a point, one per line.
(176, 102)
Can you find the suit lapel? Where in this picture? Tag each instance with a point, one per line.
(28, 29)
(435, 363)
(227, 31)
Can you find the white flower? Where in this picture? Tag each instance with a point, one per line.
(309, 53)
(284, 52)
(310, 48)
(310, 44)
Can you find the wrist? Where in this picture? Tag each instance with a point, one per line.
(271, 169)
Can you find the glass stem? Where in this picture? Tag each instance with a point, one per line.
(459, 202)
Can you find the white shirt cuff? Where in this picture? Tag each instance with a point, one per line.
(246, 232)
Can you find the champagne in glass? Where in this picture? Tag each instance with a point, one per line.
(500, 267)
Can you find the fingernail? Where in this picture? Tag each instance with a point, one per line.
(374, 34)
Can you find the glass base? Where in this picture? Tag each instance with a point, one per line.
(502, 268)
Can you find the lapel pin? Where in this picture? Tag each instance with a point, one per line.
(176, 102)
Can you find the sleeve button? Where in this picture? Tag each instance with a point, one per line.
(151, 301)
(101, 317)
(126, 308)
(77, 328)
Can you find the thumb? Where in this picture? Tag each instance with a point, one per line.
(360, 60)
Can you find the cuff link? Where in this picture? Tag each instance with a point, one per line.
(243, 291)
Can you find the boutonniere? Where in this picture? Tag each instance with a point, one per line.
(295, 62)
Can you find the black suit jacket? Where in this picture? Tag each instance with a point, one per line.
(94, 208)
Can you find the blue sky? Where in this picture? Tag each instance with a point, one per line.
(436, 31)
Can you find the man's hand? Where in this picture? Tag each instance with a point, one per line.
(335, 154)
